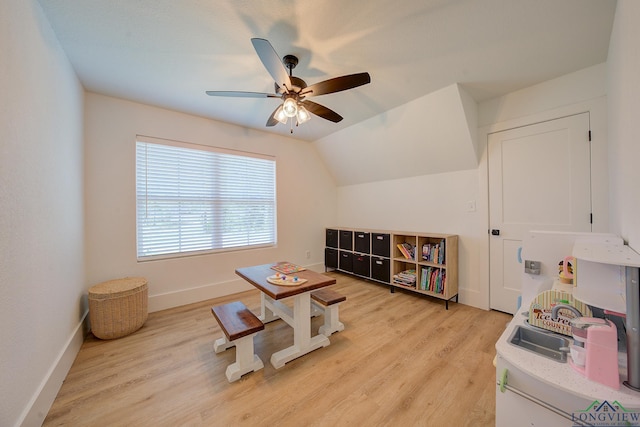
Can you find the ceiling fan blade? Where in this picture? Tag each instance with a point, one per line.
(272, 121)
(322, 111)
(235, 94)
(337, 84)
(272, 62)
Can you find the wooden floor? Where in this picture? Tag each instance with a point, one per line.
(402, 360)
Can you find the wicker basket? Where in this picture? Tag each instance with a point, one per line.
(118, 307)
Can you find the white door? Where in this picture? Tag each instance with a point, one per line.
(539, 179)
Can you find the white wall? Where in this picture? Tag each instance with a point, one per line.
(429, 203)
(623, 85)
(41, 220)
(438, 202)
(306, 195)
(570, 89)
(429, 135)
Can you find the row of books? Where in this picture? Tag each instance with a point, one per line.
(434, 252)
(433, 279)
(407, 250)
(405, 278)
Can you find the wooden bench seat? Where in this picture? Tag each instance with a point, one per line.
(239, 326)
(327, 296)
(328, 300)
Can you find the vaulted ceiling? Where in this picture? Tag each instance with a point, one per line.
(168, 53)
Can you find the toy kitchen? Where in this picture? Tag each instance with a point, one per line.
(571, 354)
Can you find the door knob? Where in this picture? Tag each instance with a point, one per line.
(495, 232)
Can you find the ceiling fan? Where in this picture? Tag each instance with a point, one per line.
(293, 90)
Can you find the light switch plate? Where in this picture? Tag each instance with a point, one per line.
(471, 206)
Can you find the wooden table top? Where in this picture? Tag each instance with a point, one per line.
(257, 276)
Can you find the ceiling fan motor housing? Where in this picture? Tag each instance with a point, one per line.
(290, 61)
(297, 82)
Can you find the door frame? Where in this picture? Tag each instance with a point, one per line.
(568, 135)
(597, 109)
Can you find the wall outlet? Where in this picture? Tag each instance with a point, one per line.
(308, 254)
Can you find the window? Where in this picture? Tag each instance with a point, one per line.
(192, 199)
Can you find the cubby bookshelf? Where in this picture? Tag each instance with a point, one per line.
(425, 263)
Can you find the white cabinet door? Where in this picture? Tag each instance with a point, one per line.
(539, 179)
(515, 410)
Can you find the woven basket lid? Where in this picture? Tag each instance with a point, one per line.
(117, 287)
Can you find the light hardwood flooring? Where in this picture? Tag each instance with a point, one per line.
(402, 360)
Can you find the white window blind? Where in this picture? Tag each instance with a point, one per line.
(192, 200)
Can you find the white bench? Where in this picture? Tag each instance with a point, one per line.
(239, 325)
(328, 301)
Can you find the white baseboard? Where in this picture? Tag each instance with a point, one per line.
(201, 293)
(473, 298)
(318, 268)
(39, 405)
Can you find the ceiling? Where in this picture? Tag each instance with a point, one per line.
(168, 53)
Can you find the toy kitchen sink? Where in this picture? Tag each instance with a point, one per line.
(545, 344)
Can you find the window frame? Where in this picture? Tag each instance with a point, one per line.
(141, 139)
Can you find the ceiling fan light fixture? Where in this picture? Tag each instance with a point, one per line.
(280, 116)
(303, 114)
(290, 107)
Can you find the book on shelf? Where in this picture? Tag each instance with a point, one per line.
(407, 250)
(405, 278)
(434, 252)
(433, 279)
